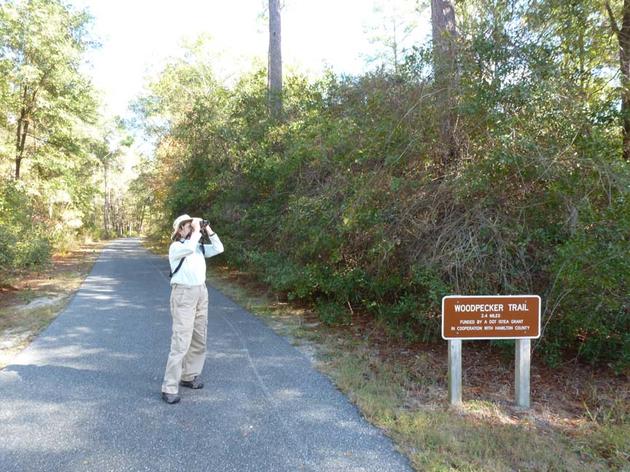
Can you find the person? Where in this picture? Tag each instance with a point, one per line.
(189, 305)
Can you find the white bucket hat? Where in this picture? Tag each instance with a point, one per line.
(178, 221)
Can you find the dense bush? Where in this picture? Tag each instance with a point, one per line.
(342, 204)
(24, 241)
(592, 287)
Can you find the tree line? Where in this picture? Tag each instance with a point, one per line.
(56, 149)
(490, 160)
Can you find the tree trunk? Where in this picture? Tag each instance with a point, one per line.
(105, 202)
(623, 37)
(23, 123)
(624, 60)
(274, 83)
(141, 219)
(395, 47)
(22, 130)
(20, 143)
(444, 31)
(18, 163)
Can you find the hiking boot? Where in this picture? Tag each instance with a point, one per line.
(194, 383)
(170, 398)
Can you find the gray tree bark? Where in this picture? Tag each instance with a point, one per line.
(105, 200)
(274, 83)
(22, 128)
(623, 37)
(444, 29)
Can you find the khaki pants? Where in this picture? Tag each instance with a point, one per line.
(189, 309)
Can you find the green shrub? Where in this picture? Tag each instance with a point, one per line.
(411, 306)
(333, 313)
(24, 241)
(32, 252)
(342, 205)
(592, 289)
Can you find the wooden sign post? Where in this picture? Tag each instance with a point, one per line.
(490, 317)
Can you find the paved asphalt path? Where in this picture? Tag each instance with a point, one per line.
(85, 396)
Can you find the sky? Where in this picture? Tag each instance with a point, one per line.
(138, 36)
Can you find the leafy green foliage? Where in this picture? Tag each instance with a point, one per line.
(342, 204)
(42, 47)
(24, 242)
(593, 287)
(48, 171)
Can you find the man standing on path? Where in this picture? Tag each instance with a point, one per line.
(189, 304)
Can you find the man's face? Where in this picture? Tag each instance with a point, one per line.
(185, 229)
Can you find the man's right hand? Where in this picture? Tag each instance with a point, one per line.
(195, 224)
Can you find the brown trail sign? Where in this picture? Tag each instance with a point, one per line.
(490, 317)
(494, 317)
